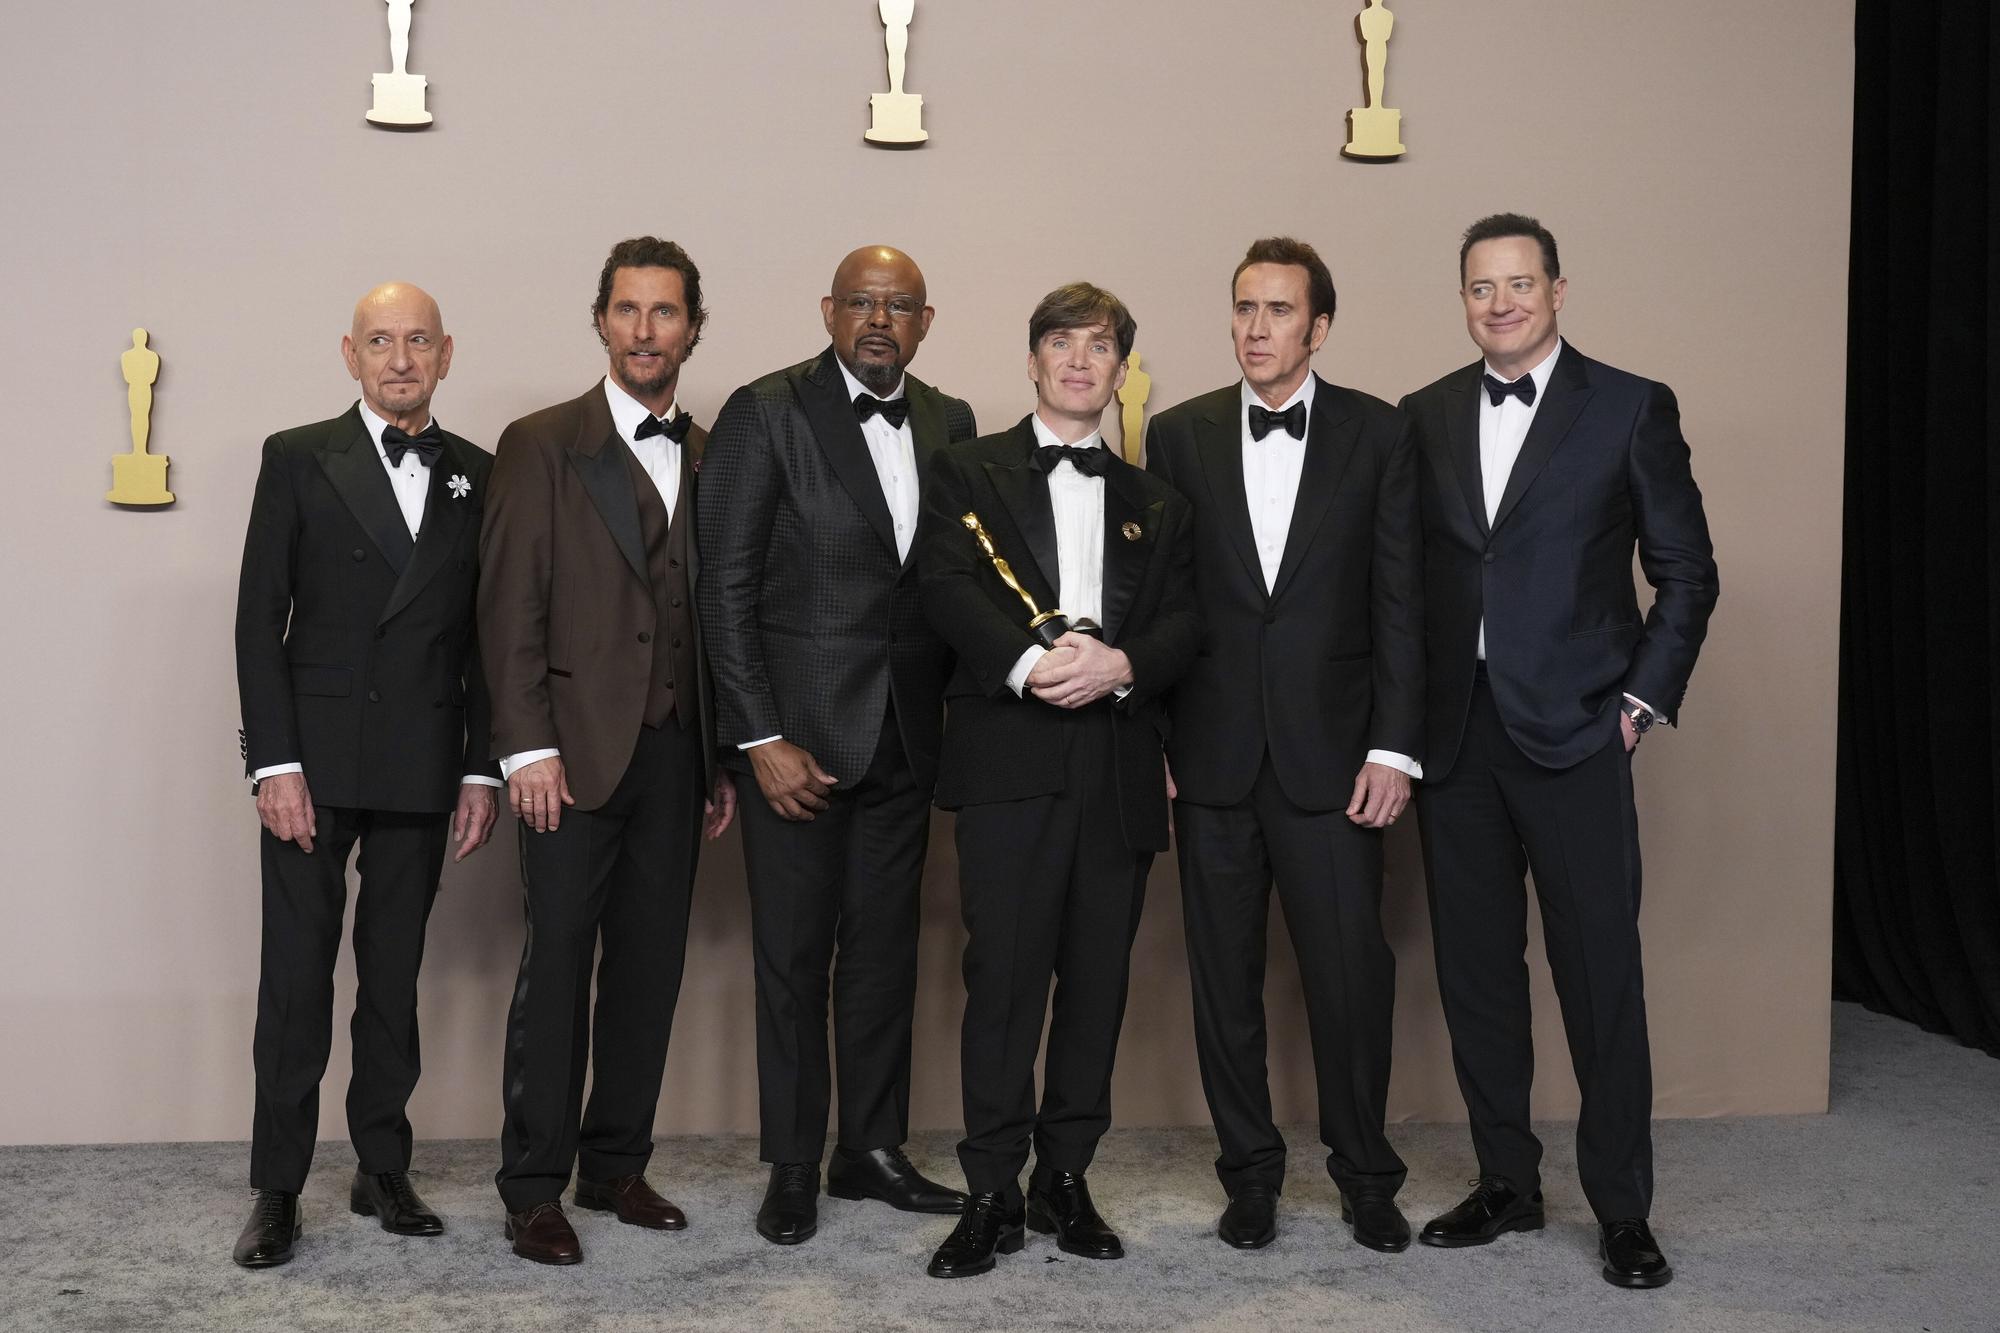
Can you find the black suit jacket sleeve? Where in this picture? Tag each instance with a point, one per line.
(1674, 553)
(1396, 603)
(741, 489)
(1160, 652)
(263, 609)
(987, 640)
(514, 594)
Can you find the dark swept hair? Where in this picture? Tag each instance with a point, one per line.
(1078, 305)
(1497, 225)
(1285, 250)
(651, 252)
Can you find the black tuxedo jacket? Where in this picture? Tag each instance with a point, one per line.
(814, 623)
(1329, 664)
(355, 652)
(999, 746)
(1603, 469)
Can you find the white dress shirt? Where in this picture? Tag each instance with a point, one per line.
(1272, 468)
(1078, 502)
(412, 484)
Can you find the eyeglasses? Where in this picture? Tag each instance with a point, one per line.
(899, 307)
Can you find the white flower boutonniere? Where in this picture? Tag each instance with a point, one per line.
(460, 487)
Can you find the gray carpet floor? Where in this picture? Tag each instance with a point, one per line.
(1877, 1216)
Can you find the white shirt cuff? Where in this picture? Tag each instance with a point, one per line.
(1402, 763)
(479, 780)
(1658, 716)
(523, 759)
(276, 769)
(1017, 679)
(751, 745)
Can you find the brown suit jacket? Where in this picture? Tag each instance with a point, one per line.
(568, 618)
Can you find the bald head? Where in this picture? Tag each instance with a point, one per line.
(876, 313)
(397, 350)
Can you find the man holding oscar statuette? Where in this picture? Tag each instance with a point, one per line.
(1061, 577)
(364, 722)
(829, 690)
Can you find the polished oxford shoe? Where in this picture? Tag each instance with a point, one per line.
(1059, 1205)
(544, 1235)
(1250, 1222)
(388, 1196)
(790, 1212)
(886, 1174)
(987, 1227)
(1632, 1257)
(635, 1202)
(1378, 1223)
(1493, 1206)
(267, 1238)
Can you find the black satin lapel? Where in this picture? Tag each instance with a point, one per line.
(1563, 399)
(358, 477)
(1220, 445)
(608, 481)
(929, 433)
(1329, 448)
(839, 435)
(1461, 424)
(1025, 493)
(1131, 535)
(444, 523)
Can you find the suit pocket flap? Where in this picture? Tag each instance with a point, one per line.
(329, 680)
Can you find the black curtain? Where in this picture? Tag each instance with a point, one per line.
(1916, 895)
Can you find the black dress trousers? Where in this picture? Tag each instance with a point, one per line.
(1495, 816)
(305, 900)
(1329, 879)
(1049, 889)
(841, 891)
(622, 874)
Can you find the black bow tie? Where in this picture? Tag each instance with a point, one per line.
(1292, 421)
(1523, 389)
(428, 442)
(675, 430)
(1090, 460)
(895, 411)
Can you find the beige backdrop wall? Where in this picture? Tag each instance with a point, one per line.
(204, 171)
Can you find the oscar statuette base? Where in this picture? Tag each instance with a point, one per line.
(1375, 132)
(898, 118)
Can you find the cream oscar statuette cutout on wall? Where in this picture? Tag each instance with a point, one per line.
(399, 95)
(1375, 130)
(898, 117)
(1132, 396)
(139, 478)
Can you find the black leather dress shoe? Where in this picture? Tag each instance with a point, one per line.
(1378, 1223)
(267, 1238)
(1250, 1222)
(1059, 1204)
(791, 1204)
(634, 1201)
(542, 1234)
(886, 1174)
(1493, 1206)
(388, 1196)
(989, 1226)
(1632, 1257)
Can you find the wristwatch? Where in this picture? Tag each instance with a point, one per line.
(1641, 716)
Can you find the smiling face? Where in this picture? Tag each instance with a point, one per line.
(1274, 329)
(1510, 303)
(876, 315)
(397, 350)
(1076, 373)
(648, 332)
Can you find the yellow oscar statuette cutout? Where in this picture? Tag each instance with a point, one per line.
(1132, 398)
(897, 116)
(139, 478)
(1375, 131)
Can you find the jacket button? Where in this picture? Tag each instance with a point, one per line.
(374, 697)
(674, 601)
(644, 637)
(359, 555)
(381, 631)
(673, 564)
(677, 643)
(1270, 617)
(1489, 557)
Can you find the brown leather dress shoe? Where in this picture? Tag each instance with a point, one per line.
(544, 1235)
(635, 1202)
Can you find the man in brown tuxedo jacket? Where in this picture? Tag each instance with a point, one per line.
(602, 725)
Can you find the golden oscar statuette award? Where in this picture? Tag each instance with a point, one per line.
(1132, 396)
(898, 117)
(1375, 131)
(139, 478)
(399, 95)
(1046, 626)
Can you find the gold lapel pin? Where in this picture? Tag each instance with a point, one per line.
(1131, 531)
